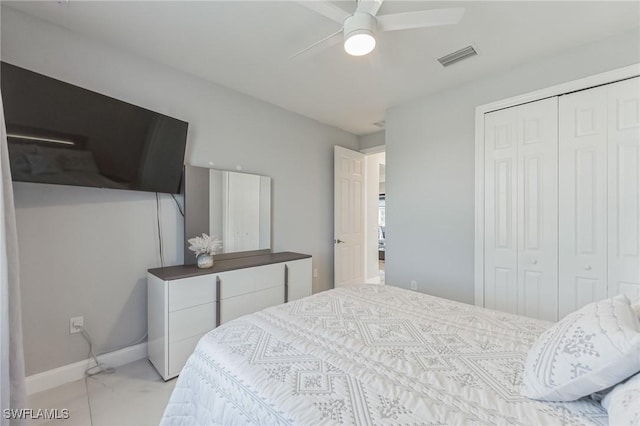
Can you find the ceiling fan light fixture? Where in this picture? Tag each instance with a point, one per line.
(360, 43)
(359, 34)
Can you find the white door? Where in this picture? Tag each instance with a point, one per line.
(538, 209)
(348, 216)
(501, 248)
(583, 199)
(521, 227)
(624, 187)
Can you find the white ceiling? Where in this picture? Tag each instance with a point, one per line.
(246, 45)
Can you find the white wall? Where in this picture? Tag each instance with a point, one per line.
(430, 166)
(86, 251)
(372, 167)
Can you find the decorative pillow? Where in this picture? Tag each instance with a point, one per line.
(623, 403)
(41, 164)
(589, 350)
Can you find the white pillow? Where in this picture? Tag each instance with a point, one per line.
(623, 403)
(589, 350)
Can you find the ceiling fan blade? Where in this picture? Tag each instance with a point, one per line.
(420, 19)
(369, 6)
(326, 9)
(328, 41)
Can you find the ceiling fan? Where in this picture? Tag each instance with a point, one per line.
(360, 28)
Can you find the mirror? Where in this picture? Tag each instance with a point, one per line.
(234, 206)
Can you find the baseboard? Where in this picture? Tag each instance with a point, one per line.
(71, 372)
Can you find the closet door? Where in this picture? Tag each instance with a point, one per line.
(582, 199)
(500, 211)
(538, 209)
(521, 209)
(624, 187)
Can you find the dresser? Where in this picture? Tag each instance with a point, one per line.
(185, 302)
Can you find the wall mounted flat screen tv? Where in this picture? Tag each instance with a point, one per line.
(62, 134)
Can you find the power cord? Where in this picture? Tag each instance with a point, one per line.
(177, 204)
(159, 233)
(102, 368)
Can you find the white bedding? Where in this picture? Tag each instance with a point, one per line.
(367, 354)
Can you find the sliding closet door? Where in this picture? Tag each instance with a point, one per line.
(538, 209)
(583, 199)
(501, 249)
(624, 187)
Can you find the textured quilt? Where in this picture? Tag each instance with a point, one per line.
(368, 354)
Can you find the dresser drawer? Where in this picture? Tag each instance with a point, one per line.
(243, 281)
(299, 279)
(192, 291)
(238, 306)
(299, 270)
(179, 352)
(191, 322)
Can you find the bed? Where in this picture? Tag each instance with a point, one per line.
(368, 354)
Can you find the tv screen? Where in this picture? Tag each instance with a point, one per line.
(59, 133)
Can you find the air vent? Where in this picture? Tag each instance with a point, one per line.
(380, 124)
(457, 56)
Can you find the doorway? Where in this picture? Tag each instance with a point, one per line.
(381, 233)
(360, 249)
(375, 202)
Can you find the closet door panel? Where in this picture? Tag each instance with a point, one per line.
(624, 187)
(582, 199)
(500, 272)
(537, 155)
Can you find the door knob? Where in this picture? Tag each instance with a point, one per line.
(588, 267)
(338, 241)
(534, 261)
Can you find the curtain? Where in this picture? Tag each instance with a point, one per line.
(12, 387)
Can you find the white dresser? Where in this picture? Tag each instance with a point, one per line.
(185, 302)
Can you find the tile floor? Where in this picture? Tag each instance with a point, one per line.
(133, 395)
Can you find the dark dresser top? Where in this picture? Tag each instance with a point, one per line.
(185, 271)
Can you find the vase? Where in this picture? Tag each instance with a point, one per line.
(204, 260)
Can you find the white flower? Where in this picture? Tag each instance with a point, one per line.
(205, 244)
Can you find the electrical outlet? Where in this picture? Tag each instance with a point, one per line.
(75, 324)
(414, 285)
(315, 272)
